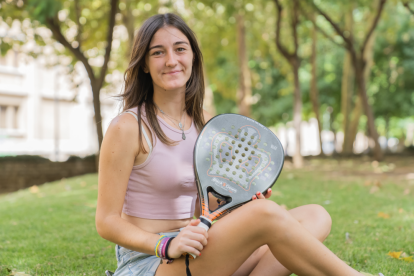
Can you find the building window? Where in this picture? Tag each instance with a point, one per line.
(3, 121)
(8, 117)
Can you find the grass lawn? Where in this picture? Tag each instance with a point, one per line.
(51, 230)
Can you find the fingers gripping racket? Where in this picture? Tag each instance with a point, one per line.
(234, 157)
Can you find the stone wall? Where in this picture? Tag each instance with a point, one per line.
(24, 171)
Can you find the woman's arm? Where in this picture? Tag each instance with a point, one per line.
(118, 152)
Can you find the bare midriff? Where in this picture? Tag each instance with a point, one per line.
(157, 225)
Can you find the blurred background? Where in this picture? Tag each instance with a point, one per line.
(332, 79)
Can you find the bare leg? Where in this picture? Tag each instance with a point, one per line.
(235, 237)
(314, 218)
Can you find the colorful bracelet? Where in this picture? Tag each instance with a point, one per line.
(156, 246)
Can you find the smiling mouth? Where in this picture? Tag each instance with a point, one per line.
(172, 73)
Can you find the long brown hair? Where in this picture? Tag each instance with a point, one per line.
(138, 84)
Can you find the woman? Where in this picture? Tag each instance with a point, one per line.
(147, 188)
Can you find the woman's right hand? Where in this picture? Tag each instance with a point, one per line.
(192, 239)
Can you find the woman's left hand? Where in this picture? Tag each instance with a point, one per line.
(259, 195)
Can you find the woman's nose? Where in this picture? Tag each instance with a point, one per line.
(171, 60)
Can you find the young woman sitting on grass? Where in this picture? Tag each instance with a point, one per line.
(147, 187)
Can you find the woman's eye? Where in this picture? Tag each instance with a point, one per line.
(156, 53)
(181, 49)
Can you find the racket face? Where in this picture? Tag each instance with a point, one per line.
(236, 157)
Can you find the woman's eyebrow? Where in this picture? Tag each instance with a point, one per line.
(160, 46)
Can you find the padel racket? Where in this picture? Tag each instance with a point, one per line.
(234, 157)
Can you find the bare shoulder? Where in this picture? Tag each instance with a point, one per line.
(123, 130)
(207, 116)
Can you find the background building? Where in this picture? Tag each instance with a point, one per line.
(41, 113)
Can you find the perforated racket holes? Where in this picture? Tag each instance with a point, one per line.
(229, 132)
(232, 127)
(227, 169)
(221, 166)
(249, 143)
(233, 157)
(230, 163)
(234, 173)
(233, 142)
(237, 166)
(252, 137)
(224, 159)
(236, 136)
(239, 145)
(242, 139)
(255, 146)
(243, 154)
(217, 156)
(220, 150)
(240, 160)
(240, 176)
(245, 134)
(243, 170)
(230, 147)
(227, 138)
(250, 158)
(227, 154)
(246, 148)
(253, 151)
(237, 151)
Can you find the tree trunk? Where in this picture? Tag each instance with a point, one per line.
(244, 92)
(128, 21)
(314, 94)
(347, 92)
(208, 97)
(97, 108)
(297, 115)
(361, 86)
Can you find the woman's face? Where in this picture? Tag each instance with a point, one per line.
(170, 59)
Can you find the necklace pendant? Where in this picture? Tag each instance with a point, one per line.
(183, 136)
(180, 125)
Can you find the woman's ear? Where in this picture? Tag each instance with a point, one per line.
(144, 68)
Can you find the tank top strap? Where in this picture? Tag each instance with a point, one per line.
(143, 130)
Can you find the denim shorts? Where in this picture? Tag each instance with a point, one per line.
(133, 263)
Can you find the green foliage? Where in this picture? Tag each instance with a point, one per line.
(41, 10)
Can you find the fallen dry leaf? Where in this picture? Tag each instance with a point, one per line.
(377, 183)
(34, 189)
(383, 215)
(401, 210)
(395, 255)
(406, 191)
(408, 259)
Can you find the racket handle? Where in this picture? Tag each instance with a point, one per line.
(205, 223)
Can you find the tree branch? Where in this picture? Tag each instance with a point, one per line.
(57, 34)
(374, 24)
(339, 31)
(295, 21)
(79, 25)
(279, 45)
(408, 7)
(319, 28)
(109, 37)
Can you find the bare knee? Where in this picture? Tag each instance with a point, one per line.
(272, 215)
(321, 217)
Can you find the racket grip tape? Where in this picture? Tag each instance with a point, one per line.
(205, 223)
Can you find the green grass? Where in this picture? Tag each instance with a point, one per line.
(52, 232)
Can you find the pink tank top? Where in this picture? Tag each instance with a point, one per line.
(164, 187)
